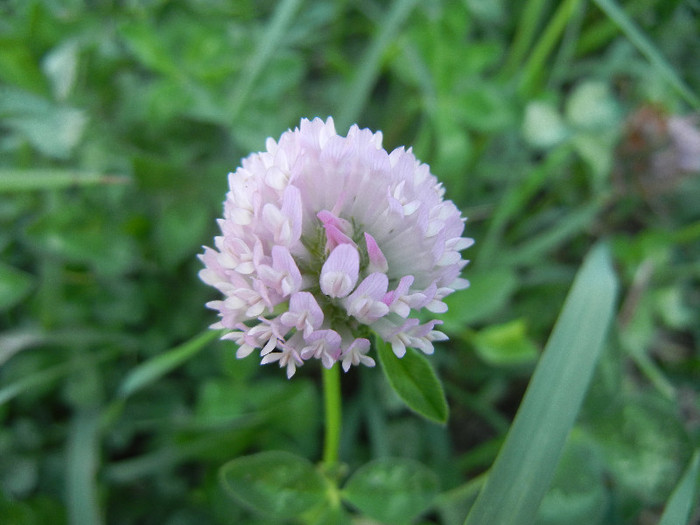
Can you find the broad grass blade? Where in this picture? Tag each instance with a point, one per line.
(684, 496)
(524, 467)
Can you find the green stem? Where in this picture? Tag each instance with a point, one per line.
(332, 404)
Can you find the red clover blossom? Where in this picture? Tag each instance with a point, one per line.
(326, 239)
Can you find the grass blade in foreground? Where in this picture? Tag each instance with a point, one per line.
(525, 465)
(156, 367)
(681, 502)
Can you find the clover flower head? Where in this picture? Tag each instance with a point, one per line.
(326, 239)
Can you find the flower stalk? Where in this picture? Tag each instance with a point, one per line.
(333, 416)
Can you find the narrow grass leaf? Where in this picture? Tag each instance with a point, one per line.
(526, 463)
(549, 38)
(156, 367)
(271, 38)
(82, 461)
(172, 454)
(528, 25)
(684, 496)
(47, 376)
(276, 483)
(537, 246)
(359, 89)
(520, 190)
(647, 48)
(415, 382)
(52, 179)
(392, 490)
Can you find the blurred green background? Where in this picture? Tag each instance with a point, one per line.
(551, 124)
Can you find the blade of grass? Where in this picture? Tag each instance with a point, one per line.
(359, 89)
(528, 24)
(684, 496)
(156, 367)
(52, 179)
(525, 465)
(573, 223)
(47, 376)
(550, 36)
(647, 48)
(598, 34)
(172, 454)
(519, 191)
(82, 462)
(273, 35)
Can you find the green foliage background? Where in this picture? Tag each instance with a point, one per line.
(119, 121)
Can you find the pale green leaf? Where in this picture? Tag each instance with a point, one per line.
(488, 292)
(392, 490)
(505, 344)
(543, 126)
(524, 468)
(14, 286)
(279, 484)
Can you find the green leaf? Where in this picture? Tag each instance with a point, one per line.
(415, 382)
(14, 286)
(524, 468)
(592, 107)
(330, 515)
(54, 130)
(488, 292)
(645, 447)
(180, 230)
(61, 67)
(156, 367)
(543, 126)
(505, 344)
(392, 490)
(684, 495)
(149, 47)
(279, 484)
(41, 378)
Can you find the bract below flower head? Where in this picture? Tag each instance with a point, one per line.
(327, 238)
